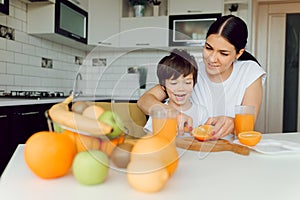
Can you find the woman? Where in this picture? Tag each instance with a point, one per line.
(227, 76)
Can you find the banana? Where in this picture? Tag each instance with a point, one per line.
(61, 114)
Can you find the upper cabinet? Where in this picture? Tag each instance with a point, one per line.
(144, 32)
(239, 8)
(4, 7)
(242, 9)
(104, 22)
(179, 7)
(62, 22)
(148, 31)
(83, 4)
(114, 24)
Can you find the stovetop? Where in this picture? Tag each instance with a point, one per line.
(32, 94)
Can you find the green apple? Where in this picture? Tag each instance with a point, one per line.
(112, 119)
(57, 128)
(90, 167)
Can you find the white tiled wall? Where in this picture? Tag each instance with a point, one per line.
(20, 59)
(113, 78)
(20, 63)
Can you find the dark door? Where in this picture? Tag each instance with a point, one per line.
(291, 76)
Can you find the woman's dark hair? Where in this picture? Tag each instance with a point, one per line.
(235, 31)
(178, 63)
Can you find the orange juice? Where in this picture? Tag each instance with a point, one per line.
(166, 127)
(243, 122)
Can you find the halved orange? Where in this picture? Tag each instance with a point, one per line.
(203, 132)
(250, 138)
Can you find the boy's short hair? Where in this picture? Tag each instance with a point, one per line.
(178, 63)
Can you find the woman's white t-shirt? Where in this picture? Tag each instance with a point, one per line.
(197, 112)
(220, 98)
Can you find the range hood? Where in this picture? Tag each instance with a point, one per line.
(38, 1)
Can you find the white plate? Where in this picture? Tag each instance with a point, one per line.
(270, 146)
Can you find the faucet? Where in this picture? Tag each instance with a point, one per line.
(75, 92)
(142, 77)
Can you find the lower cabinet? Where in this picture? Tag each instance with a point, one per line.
(18, 123)
(5, 153)
(28, 120)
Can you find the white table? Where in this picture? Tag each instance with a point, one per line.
(220, 175)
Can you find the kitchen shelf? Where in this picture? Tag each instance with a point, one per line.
(127, 9)
(236, 2)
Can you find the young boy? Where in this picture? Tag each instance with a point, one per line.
(177, 75)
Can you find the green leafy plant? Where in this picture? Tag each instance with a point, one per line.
(155, 2)
(138, 2)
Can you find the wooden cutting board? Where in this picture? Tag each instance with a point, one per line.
(210, 146)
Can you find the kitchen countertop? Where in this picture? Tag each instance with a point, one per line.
(215, 176)
(15, 101)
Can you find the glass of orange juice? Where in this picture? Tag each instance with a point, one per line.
(244, 118)
(164, 122)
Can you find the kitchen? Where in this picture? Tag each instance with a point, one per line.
(35, 66)
(21, 57)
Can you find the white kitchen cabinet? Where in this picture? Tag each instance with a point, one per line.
(144, 32)
(104, 22)
(243, 8)
(42, 22)
(83, 4)
(4, 7)
(244, 11)
(180, 7)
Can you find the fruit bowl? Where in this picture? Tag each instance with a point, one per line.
(84, 140)
(249, 138)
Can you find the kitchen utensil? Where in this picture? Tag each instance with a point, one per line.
(190, 143)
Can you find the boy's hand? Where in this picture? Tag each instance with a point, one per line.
(185, 123)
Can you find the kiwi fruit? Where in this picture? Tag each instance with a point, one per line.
(121, 155)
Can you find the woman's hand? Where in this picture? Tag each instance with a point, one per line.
(223, 126)
(185, 123)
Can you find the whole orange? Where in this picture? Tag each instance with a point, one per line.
(49, 154)
(157, 147)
